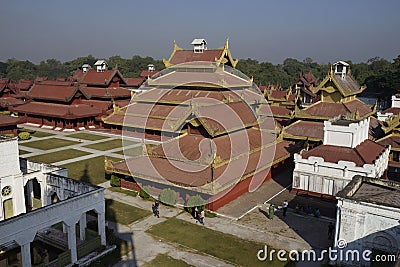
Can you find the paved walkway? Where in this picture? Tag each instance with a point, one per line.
(244, 217)
(282, 233)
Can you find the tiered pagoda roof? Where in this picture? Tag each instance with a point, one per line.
(215, 117)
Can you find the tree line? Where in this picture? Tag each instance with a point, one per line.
(381, 76)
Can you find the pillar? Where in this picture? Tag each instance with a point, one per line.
(26, 254)
(101, 223)
(82, 226)
(72, 242)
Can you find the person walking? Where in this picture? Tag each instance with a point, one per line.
(271, 212)
(285, 205)
(201, 218)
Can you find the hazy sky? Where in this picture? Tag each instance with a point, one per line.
(265, 30)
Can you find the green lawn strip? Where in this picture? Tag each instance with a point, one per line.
(58, 156)
(21, 152)
(123, 191)
(123, 213)
(166, 261)
(111, 144)
(87, 136)
(223, 246)
(40, 134)
(49, 143)
(88, 170)
(131, 152)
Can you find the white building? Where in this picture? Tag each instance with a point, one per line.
(34, 197)
(394, 110)
(101, 65)
(346, 152)
(368, 218)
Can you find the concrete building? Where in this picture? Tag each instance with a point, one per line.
(368, 218)
(34, 197)
(346, 152)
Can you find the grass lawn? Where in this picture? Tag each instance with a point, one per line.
(49, 143)
(166, 261)
(21, 152)
(123, 191)
(131, 152)
(41, 134)
(88, 170)
(223, 246)
(107, 145)
(87, 136)
(58, 156)
(123, 213)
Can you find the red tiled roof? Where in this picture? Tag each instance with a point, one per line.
(365, 153)
(147, 73)
(182, 56)
(328, 109)
(55, 82)
(10, 102)
(134, 82)
(58, 110)
(279, 94)
(6, 120)
(312, 129)
(395, 111)
(280, 111)
(393, 140)
(52, 92)
(101, 78)
(103, 105)
(24, 84)
(108, 93)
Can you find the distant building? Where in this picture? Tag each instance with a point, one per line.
(37, 196)
(201, 53)
(302, 86)
(368, 218)
(346, 152)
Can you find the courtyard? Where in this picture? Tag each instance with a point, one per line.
(176, 237)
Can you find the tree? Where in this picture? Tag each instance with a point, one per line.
(168, 197)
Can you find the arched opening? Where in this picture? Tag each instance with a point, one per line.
(33, 195)
(8, 208)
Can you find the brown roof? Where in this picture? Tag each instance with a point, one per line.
(307, 79)
(311, 129)
(134, 82)
(107, 93)
(365, 153)
(182, 56)
(59, 93)
(6, 120)
(10, 102)
(24, 84)
(329, 109)
(280, 111)
(100, 78)
(191, 173)
(395, 111)
(393, 140)
(348, 83)
(147, 73)
(58, 110)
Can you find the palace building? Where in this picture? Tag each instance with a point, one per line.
(216, 130)
(75, 104)
(35, 198)
(337, 94)
(346, 151)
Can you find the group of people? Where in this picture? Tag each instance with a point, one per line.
(198, 216)
(308, 210)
